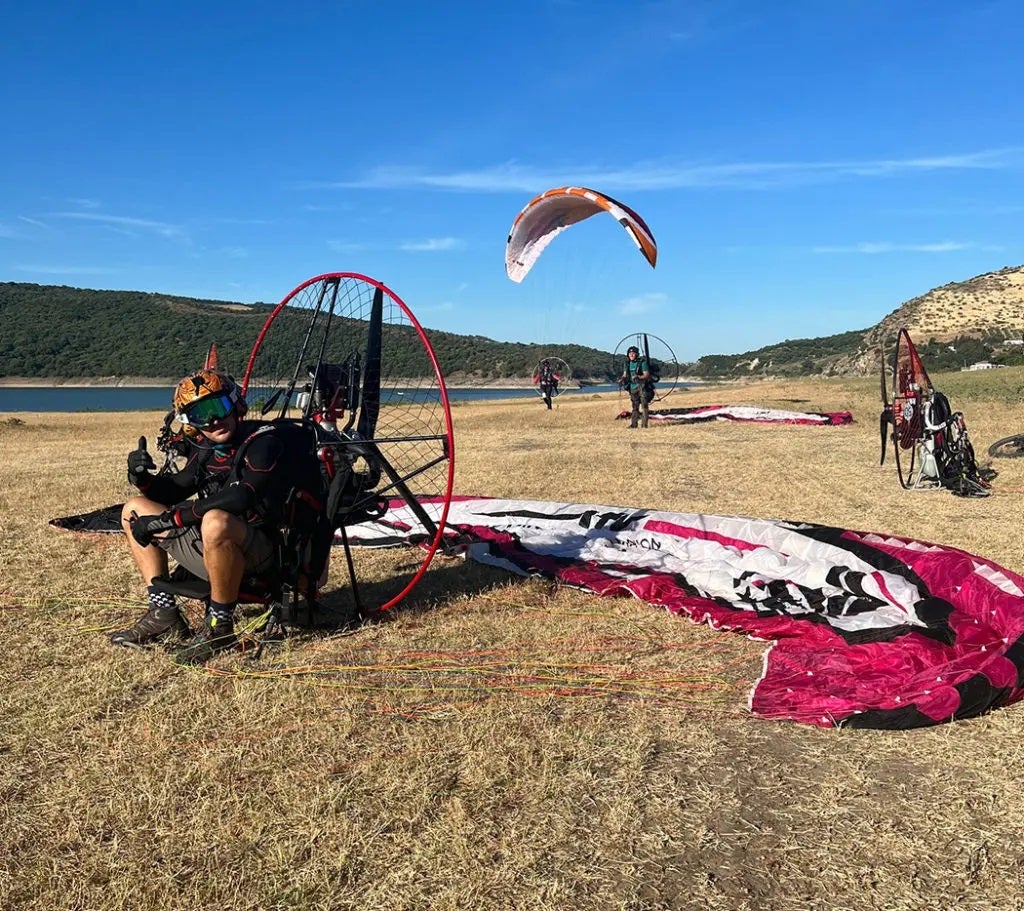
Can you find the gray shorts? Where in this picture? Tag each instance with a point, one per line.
(187, 549)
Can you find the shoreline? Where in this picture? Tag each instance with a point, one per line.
(141, 382)
(148, 383)
(132, 382)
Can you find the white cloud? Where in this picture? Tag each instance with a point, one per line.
(326, 207)
(226, 220)
(946, 246)
(645, 303)
(442, 307)
(123, 221)
(430, 245)
(433, 245)
(512, 176)
(345, 246)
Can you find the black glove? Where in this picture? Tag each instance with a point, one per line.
(145, 528)
(140, 463)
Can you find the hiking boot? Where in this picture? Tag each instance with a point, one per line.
(214, 636)
(156, 624)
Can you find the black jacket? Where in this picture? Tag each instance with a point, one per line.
(251, 478)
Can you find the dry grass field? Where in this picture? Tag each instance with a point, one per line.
(497, 743)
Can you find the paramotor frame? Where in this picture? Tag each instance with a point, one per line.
(343, 354)
(930, 441)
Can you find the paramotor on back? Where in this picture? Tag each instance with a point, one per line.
(660, 357)
(343, 354)
(930, 440)
(550, 376)
(550, 213)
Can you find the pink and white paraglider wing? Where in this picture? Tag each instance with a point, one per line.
(547, 215)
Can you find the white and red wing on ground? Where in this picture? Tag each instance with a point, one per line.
(756, 414)
(869, 630)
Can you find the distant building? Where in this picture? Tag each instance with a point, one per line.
(983, 365)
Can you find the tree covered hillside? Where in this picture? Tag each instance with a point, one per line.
(49, 331)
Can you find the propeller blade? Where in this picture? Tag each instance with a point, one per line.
(370, 409)
(885, 418)
(881, 375)
(271, 402)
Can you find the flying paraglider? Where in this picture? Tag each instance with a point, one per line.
(550, 213)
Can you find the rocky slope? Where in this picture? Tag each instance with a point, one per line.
(989, 307)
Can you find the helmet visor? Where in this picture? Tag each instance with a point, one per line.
(208, 411)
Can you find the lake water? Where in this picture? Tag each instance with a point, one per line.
(150, 398)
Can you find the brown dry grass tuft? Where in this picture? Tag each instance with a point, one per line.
(499, 743)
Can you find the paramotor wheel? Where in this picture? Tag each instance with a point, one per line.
(344, 352)
(1008, 447)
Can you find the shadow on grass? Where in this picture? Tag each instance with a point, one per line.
(446, 579)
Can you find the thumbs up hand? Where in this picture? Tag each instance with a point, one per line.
(140, 463)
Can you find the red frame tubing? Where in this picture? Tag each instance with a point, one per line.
(908, 367)
(445, 404)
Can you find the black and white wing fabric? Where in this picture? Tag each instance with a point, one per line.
(868, 630)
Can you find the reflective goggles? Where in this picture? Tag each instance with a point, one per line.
(207, 412)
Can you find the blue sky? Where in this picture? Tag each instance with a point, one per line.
(806, 167)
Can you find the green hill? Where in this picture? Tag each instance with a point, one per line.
(49, 331)
(793, 357)
(953, 326)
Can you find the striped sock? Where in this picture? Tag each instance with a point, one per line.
(224, 613)
(160, 600)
